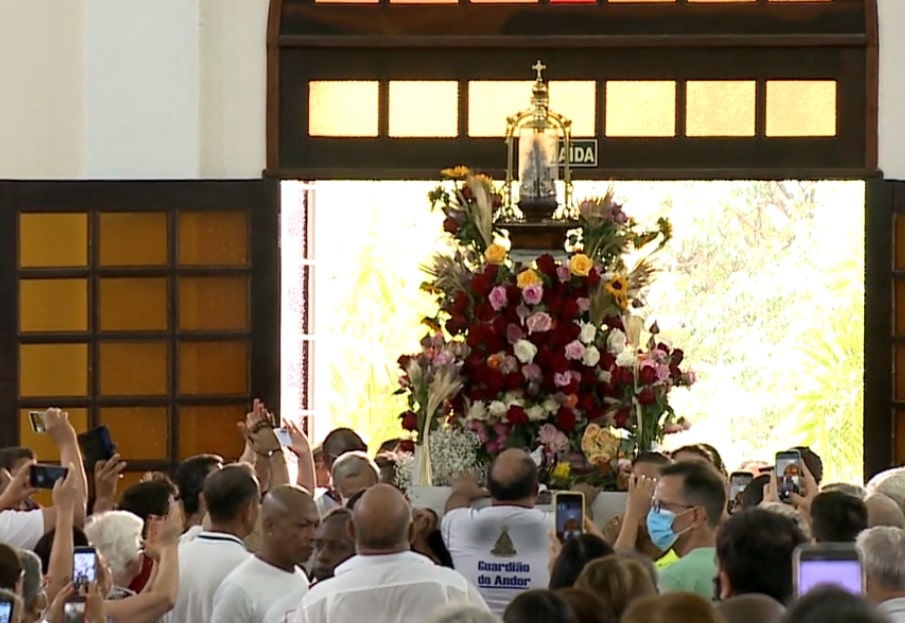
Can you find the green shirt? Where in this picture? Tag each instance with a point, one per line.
(692, 573)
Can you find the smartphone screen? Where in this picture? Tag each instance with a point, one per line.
(283, 436)
(36, 418)
(84, 566)
(6, 611)
(738, 482)
(44, 476)
(788, 474)
(569, 515)
(74, 612)
(834, 565)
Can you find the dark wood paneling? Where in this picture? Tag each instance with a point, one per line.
(9, 318)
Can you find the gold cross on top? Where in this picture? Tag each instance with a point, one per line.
(539, 67)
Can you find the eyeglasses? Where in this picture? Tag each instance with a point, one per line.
(659, 505)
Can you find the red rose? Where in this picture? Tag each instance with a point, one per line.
(547, 265)
(404, 361)
(484, 312)
(647, 375)
(647, 396)
(516, 415)
(565, 419)
(456, 325)
(514, 381)
(407, 445)
(607, 361)
(586, 402)
(626, 376)
(481, 284)
(664, 348)
(614, 322)
(409, 421)
(621, 417)
(450, 226)
(495, 381)
(593, 278)
(569, 309)
(678, 356)
(491, 271)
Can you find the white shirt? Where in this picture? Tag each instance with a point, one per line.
(390, 588)
(502, 550)
(21, 529)
(252, 587)
(324, 502)
(203, 564)
(894, 609)
(283, 610)
(190, 534)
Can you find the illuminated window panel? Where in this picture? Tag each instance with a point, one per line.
(573, 1)
(640, 109)
(140, 433)
(204, 430)
(801, 108)
(53, 305)
(720, 108)
(53, 370)
(490, 103)
(346, 1)
(342, 108)
(53, 240)
(213, 368)
(133, 368)
(40, 443)
(133, 239)
(426, 109)
(133, 304)
(213, 303)
(213, 238)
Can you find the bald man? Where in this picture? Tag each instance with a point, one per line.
(883, 511)
(289, 518)
(385, 582)
(751, 609)
(501, 549)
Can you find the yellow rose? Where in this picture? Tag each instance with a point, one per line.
(528, 278)
(455, 173)
(580, 265)
(495, 254)
(562, 471)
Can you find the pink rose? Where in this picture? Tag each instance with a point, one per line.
(532, 372)
(533, 294)
(546, 434)
(539, 322)
(563, 272)
(498, 299)
(562, 379)
(574, 350)
(514, 334)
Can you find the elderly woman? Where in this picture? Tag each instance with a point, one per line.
(34, 599)
(116, 535)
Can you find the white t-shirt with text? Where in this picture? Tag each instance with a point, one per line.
(502, 550)
(248, 592)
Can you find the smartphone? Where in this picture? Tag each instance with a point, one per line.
(42, 476)
(96, 446)
(84, 566)
(6, 610)
(834, 564)
(283, 436)
(788, 474)
(568, 514)
(36, 419)
(74, 612)
(738, 482)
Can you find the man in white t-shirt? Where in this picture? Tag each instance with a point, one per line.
(501, 549)
(288, 520)
(385, 582)
(233, 498)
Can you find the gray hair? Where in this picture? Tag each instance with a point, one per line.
(353, 465)
(856, 491)
(787, 511)
(882, 552)
(890, 483)
(117, 536)
(463, 614)
(32, 578)
(883, 511)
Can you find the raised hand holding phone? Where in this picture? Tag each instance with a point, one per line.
(18, 489)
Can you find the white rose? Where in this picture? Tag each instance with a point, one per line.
(605, 377)
(536, 413)
(525, 351)
(625, 359)
(550, 405)
(591, 356)
(477, 411)
(513, 400)
(615, 342)
(497, 408)
(588, 333)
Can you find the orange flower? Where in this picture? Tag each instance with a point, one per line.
(570, 401)
(494, 362)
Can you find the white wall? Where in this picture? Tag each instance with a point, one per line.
(176, 88)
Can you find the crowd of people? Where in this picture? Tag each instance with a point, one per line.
(222, 541)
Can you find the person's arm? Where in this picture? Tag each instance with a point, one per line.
(301, 447)
(106, 477)
(64, 436)
(637, 505)
(465, 490)
(59, 567)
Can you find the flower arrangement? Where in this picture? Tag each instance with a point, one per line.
(551, 356)
(453, 450)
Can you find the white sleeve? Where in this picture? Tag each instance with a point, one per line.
(232, 604)
(474, 598)
(21, 529)
(451, 525)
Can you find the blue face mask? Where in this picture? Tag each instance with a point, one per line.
(659, 528)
